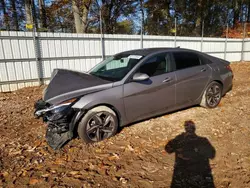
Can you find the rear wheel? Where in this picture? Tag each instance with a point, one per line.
(98, 124)
(212, 95)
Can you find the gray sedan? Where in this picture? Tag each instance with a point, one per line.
(128, 87)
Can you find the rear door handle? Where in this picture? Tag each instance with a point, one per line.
(203, 69)
(168, 79)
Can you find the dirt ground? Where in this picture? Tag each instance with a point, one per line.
(136, 157)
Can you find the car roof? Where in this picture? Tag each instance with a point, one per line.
(148, 51)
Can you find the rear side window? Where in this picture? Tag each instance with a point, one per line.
(185, 60)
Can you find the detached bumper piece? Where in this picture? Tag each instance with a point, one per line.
(40, 105)
(58, 120)
(57, 140)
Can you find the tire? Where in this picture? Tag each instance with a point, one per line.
(98, 124)
(212, 95)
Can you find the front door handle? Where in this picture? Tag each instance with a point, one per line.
(203, 69)
(168, 79)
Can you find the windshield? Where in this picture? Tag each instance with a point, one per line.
(115, 68)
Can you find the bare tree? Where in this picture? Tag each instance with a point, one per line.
(15, 19)
(199, 17)
(248, 12)
(42, 10)
(236, 9)
(77, 17)
(85, 12)
(81, 14)
(28, 10)
(5, 15)
(142, 18)
(34, 14)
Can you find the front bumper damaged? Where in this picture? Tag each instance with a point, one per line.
(59, 120)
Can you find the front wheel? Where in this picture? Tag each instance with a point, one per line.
(212, 95)
(98, 124)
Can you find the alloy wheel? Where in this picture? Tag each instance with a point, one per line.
(213, 95)
(100, 126)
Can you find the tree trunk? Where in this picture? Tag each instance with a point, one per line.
(199, 16)
(236, 12)
(42, 11)
(167, 5)
(16, 25)
(107, 8)
(248, 13)
(77, 18)
(28, 10)
(142, 18)
(33, 8)
(5, 15)
(85, 12)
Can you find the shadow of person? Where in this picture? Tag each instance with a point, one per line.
(192, 154)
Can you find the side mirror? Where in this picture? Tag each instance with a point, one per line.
(140, 77)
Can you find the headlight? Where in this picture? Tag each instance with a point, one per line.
(56, 108)
(69, 101)
(59, 108)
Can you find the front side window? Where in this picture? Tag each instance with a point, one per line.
(157, 65)
(185, 60)
(117, 67)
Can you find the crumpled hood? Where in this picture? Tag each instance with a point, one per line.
(68, 84)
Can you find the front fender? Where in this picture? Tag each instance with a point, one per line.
(112, 97)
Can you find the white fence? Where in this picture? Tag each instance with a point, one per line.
(27, 59)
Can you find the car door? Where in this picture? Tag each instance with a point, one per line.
(157, 94)
(192, 76)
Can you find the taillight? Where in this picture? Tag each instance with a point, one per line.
(229, 68)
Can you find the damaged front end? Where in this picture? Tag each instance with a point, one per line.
(60, 120)
(66, 87)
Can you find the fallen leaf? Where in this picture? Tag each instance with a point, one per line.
(45, 175)
(16, 152)
(53, 171)
(67, 158)
(123, 180)
(114, 157)
(38, 143)
(24, 173)
(130, 148)
(72, 150)
(34, 181)
(98, 150)
(78, 176)
(59, 161)
(31, 150)
(43, 152)
(73, 173)
(5, 174)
